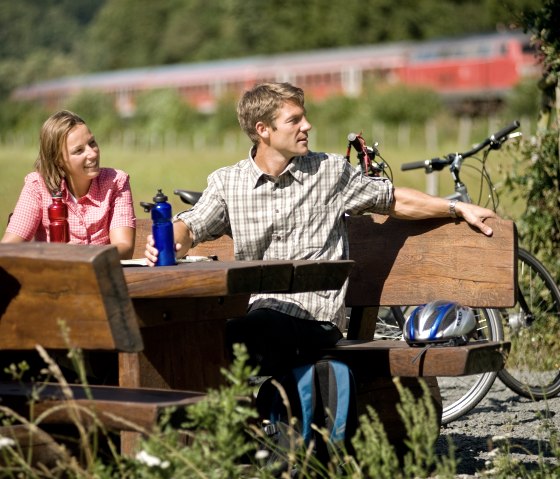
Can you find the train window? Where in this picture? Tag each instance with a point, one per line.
(528, 47)
(484, 50)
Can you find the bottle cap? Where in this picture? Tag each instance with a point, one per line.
(160, 197)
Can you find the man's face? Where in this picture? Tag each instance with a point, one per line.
(289, 134)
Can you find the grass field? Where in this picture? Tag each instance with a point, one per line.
(187, 167)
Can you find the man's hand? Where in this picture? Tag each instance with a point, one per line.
(151, 252)
(475, 216)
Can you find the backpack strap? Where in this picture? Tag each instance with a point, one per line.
(336, 387)
(304, 376)
(299, 385)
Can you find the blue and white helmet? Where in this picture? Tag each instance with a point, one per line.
(439, 322)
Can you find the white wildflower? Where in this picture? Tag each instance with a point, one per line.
(151, 461)
(261, 454)
(494, 452)
(6, 442)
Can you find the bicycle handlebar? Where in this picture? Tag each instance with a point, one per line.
(433, 164)
(494, 141)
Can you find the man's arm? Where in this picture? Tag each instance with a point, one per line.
(183, 241)
(414, 205)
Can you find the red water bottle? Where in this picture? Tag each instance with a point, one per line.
(58, 216)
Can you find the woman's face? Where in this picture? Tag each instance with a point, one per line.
(81, 155)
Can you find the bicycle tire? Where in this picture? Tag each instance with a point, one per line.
(532, 368)
(462, 393)
(390, 322)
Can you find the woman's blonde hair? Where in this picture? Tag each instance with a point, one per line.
(52, 142)
(262, 104)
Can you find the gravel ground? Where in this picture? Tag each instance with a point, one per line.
(502, 413)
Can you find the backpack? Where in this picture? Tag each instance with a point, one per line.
(322, 393)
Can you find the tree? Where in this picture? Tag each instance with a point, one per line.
(126, 34)
(537, 177)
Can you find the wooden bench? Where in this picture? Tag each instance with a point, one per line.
(401, 262)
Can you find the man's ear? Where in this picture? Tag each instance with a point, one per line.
(262, 129)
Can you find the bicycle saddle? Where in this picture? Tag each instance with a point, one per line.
(189, 197)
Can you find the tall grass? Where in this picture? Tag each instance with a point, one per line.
(226, 442)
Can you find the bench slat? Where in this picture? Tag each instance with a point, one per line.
(397, 358)
(400, 262)
(116, 407)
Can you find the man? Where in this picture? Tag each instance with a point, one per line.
(286, 202)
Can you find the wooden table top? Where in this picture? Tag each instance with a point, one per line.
(226, 278)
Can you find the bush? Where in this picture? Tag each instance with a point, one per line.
(403, 104)
(535, 180)
(97, 110)
(163, 111)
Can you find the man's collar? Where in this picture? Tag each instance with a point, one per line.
(293, 168)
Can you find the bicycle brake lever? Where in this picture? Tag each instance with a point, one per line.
(437, 164)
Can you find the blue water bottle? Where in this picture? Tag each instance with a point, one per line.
(162, 230)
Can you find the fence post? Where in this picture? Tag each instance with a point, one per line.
(432, 183)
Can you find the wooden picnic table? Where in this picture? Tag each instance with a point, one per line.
(182, 311)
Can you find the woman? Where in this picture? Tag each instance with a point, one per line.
(99, 200)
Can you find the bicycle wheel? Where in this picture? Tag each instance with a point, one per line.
(533, 327)
(390, 322)
(462, 393)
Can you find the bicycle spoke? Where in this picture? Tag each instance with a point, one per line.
(459, 394)
(533, 365)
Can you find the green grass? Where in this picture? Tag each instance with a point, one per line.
(148, 169)
(188, 167)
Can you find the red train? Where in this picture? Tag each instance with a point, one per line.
(475, 68)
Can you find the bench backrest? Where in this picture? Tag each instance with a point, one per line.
(45, 284)
(402, 262)
(221, 247)
(412, 262)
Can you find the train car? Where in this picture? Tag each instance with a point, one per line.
(479, 69)
(485, 66)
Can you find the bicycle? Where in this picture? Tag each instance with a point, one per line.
(459, 394)
(531, 325)
(532, 369)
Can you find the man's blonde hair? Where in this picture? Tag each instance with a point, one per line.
(262, 103)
